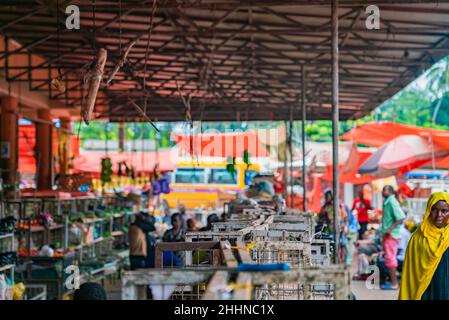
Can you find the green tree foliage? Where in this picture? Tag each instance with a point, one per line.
(99, 130)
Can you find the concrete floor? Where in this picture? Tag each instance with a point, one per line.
(361, 292)
(358, 288)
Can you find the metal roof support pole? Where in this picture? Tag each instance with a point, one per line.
(335, 118)
(290, 151)
(303, 135)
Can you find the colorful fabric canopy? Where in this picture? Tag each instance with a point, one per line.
(401, 155)
(376, 134)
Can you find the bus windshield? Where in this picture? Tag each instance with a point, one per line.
(222, 176)
(190, 175)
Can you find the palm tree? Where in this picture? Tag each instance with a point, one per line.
(438, 82)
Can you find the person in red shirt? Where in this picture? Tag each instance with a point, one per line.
(362, 206)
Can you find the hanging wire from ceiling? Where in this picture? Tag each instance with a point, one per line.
(143, 111)
(94, 27)
(120, 25)
(57, 82)
(150, 33)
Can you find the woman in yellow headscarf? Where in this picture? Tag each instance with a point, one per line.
(425, 273)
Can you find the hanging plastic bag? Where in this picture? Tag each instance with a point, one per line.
(18, 290)
(157, 188)
(165, 185)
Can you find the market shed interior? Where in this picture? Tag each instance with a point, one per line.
(214, 60)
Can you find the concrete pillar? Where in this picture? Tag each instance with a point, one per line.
(65, 147)
(9, 141)
(44, 156)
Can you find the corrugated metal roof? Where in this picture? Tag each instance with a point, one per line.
(239, 60)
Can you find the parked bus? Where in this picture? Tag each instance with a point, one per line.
(207, 184)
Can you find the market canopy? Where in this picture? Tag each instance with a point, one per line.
(237, 60)
(377, 134)
(401, 155)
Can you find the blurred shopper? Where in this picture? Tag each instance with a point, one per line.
(362, 205)
(176, 234)
(326, 213)
(184, 216)
(211, 219)
(191, 225)
(367, 248)
(344, 229)
(352, 233)
(167, 217)
(425, 273)
(392, 218)
(90, 291)
(138, 236)
(402, 246)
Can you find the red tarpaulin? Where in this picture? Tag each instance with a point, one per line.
(222, 144)
(376, 134)
(90, 161)
(402, 155)
(27, 143)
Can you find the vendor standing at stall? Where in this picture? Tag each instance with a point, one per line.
(362, 205)
(176, 234)
(392, 218)
(138, 237)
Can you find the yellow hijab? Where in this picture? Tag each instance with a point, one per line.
(424, 251)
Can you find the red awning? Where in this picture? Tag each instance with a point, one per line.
(27, 143)
(376, 134)
(222, 144)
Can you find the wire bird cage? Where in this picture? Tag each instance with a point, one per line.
(297, 254)
(280, 235)
(316, 283)
(171, 284)
(321, 252)
(231, 236)
(199, 254)
(283, 227)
